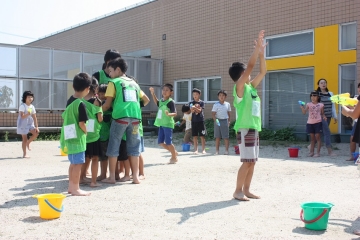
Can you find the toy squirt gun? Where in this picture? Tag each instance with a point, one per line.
(344, 99)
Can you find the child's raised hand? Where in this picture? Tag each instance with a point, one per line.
(151, 90)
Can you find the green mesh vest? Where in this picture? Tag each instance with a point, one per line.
(127, 99)
(105, 126)
(92, 125)
(72, 138)
(248, 110)
(103, 78)
(162, 120)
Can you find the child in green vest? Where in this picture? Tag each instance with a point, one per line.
(93, 145)
(248, 122)
(73, 132)
(104, 134)
(165, 119)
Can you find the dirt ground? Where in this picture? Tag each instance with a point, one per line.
(188, 200)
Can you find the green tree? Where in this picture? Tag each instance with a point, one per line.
(5, 96)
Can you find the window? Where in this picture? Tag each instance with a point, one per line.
(66, 64)
(34, 62)
(41, 90)
(348, 84)
(283, 90)
(8, 93)
(209, 88)
(300, 43)
(8, 61)
(348, 36)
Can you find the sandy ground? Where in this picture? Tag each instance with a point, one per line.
(188, 200)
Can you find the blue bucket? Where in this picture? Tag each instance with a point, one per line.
(186, 147)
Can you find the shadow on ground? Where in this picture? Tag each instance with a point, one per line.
(188, 212)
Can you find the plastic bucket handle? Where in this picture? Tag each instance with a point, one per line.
(314, 220)
(54, 208)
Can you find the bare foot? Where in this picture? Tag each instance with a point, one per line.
(310, 154)
(125, 179)
(173, 161)
(332, 154)
(80, 193)
(176, 152)
(26, 156)
(316, 155)
(217, 153)
(28, 146)
(85, 180)
(95, 184)
(88, 173)
(136, 181)
(240, 197)
(250, 195)
(226, 152)
(109, 181)
(203, 152)
(142, 177)
(196, 152)
(99, 178)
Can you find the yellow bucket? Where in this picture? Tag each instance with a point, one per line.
(62, 152)
(50, 205)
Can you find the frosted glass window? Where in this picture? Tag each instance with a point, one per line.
(8, 62)
(348, 36)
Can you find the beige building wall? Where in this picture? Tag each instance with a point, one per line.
(203, 37)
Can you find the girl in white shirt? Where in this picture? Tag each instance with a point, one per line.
(27, 121)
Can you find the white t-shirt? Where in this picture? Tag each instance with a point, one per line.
(221, 110)
(25, 108)
(187, 118)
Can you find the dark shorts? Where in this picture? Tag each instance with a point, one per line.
(353, 129)
(198, 129)
(221, 131)
(93, 149)
(122, 151)
(104, 146)
(165, 135)
(314, 128)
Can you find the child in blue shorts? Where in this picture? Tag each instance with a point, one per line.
(165, 119)
(73, 132)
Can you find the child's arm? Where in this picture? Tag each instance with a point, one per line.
(229, 117)
(100, 114)
(110, 95)
(304, 110)
(145, 99)
(82, 125)
(213, 115)
(245, 76)
(107, 103)
(24, 115)
(255, 82)
(35, 122)
(171, 106)
(156, 101)
(322, 113)
(353, 113)
(170, 114)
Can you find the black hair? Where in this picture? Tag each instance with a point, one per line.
(315, 92)
(102, 88)
(94, 84)
(103, 66)
(81, 82)
(26, 94)
(118, 63)
(223, 92)
(318, 89)
(168, 85)
(185, 108)
(196, 90)
(236, 69)
(111, 54)
(358, 85)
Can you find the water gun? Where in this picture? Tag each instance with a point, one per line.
(344, 99)
(217, 122)
(177, 123)
(301, 103)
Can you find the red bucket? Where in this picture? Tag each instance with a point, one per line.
(237, 150)
(293, 152)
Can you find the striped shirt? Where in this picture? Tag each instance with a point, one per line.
(325, 99)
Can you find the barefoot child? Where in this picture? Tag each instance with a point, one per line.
(73, 132)
(27, 121)
(221, 116)
(93, 126)
(187, 121)
(197, 107)
(104, 134)
(165, 119)
(248, 122)
(314, 123)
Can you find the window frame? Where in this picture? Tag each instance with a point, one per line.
(340, 34)
(204, 95)
(291, 34)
